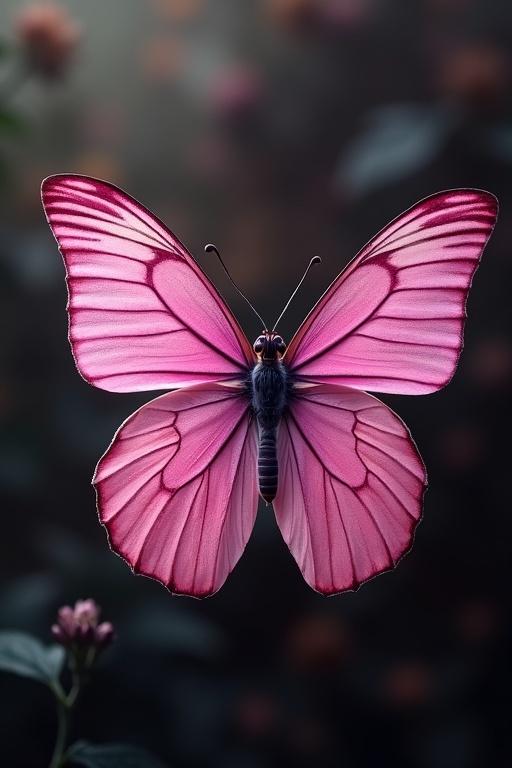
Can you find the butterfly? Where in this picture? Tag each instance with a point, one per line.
(178, 488)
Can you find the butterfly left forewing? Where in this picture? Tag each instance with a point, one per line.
(142, 314)
(177, 489)
(350, 488)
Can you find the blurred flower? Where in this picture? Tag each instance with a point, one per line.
(491, 363)
(343, 14)
(408, 684)
(296, 14)
(49, 36)
(257, 714)
(476, 74)
(79, 626)
(318, 643)
(179, 10)
(461, 447)
(162, 58)
(478, 621)
(236, 93)
(315, 15)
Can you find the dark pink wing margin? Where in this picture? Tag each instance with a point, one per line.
(177, 489)
(142, 314)
(392, 321)
(351, 484)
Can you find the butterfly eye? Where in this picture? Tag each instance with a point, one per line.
(258, 345)
(280, 345)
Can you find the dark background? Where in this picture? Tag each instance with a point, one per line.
(277, 130)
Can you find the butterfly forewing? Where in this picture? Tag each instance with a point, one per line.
(392, 321)
(142, 314)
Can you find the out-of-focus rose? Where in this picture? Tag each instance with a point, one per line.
(79, 626)
(318, 643)
(474, 74)
(49, 36)
(236, 93)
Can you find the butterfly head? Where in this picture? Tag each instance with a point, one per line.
(269, 347)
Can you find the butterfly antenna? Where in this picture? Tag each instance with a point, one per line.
(210, 248)
(314, 260)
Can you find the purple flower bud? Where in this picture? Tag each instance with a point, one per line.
(87, 613)
(104, 634)
(58, 634)
(66, 621)
(79, 627)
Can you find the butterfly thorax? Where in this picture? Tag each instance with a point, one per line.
(269, 392)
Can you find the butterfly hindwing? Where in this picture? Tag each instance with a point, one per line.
(350, 488)
(177, 489)
(142, 314)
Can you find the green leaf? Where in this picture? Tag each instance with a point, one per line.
(399, 140)
(25, 655)
(12, 123)
(111, 756)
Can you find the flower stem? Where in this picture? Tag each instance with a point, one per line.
(65, 704)
(62, 734)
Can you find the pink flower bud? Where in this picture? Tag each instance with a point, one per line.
(49, 37)
(79, 627)
(104, 634)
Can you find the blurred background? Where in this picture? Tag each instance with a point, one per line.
(277, 129)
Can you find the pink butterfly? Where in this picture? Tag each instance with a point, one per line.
(178, 487)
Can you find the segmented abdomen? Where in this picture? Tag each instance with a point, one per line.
(267, 465)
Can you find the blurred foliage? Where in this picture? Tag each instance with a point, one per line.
(24, 655)
(401, 139)
(111, 756)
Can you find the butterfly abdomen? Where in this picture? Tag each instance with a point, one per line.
(268, 470)
(269, 392)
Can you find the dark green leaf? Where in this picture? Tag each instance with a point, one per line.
(25, 655)
(111, 756)
(12, 123)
